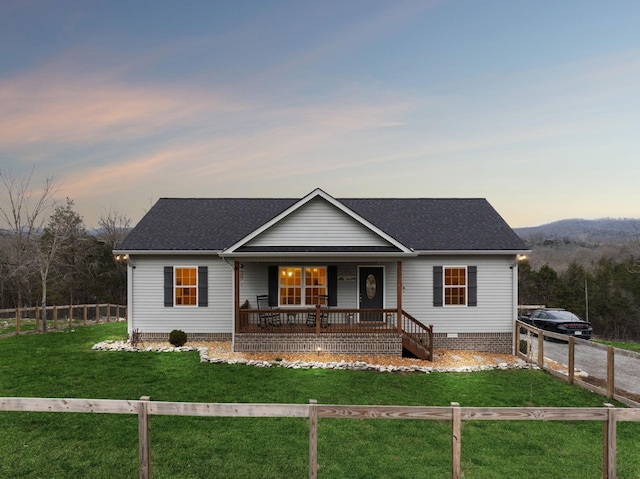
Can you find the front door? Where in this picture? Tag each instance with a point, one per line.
(371, 291)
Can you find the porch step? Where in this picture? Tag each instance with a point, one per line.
(415, 348)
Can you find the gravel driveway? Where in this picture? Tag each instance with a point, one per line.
(592, 359)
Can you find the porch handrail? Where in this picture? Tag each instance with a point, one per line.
(417, 335)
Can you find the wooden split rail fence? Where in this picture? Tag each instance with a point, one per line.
(63, 316)
(535, 334)
(144, 408)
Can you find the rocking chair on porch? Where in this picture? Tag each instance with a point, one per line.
(323, 301)
(267, 318)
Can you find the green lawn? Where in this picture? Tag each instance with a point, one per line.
(635, 347)
(8, 326)
(65, 445)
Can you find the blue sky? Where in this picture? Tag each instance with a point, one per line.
(534, 105)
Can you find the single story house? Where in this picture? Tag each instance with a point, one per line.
(358, 275)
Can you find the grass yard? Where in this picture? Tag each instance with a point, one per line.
(66, 445)
(8, 326)
(635, 347)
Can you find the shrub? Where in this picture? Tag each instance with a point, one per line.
(177, 338)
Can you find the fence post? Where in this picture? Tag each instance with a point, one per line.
(97, 313)
(609, 444)
(143, 437)
(70, 315)
(37, 318)
(108, 312)
(610, 372)
(17, 321)
(55, 317)
(541, 349)
(456, 431)
(117, 312)
(313, 439)
(572, 358)
(86, 312)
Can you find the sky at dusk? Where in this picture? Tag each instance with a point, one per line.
(533, 105)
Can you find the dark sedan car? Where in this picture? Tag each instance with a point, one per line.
(559, 321)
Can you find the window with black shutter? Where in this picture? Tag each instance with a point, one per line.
(186, 286)
(455, 286)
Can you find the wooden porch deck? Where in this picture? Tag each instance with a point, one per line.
(416, 336)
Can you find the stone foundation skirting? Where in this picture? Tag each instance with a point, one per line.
(364, 344)
(501, 343)
(190, 336)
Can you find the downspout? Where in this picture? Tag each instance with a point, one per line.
(399, 296)
(234, 272)
(130, 268)
(514, 294)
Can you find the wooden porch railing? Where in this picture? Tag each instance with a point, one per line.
(318, 319)
(416, 336)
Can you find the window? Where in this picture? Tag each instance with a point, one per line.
(300, 286)
(186, 286)
(455, 286)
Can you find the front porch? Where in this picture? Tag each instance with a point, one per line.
(332, 330)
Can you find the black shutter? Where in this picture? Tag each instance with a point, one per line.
(472, 286)
(273, 286)
(332, 284)
(437, 286)
(203, 286)
(168, 286)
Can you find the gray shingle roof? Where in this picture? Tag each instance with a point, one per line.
(423, 224)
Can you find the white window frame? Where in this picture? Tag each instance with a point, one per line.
(445, 287)
(303, 286)
(175, 287)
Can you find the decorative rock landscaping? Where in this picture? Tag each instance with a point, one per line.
(222, 356)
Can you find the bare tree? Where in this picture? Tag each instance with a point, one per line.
(45, 260)
(114, 227)
(22, 209)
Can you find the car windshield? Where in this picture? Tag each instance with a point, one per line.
(565, 315)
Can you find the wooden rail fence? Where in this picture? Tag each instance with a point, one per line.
(68, 315)
(609, 390)
(313, 411)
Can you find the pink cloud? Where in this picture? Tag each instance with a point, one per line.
(50, 106)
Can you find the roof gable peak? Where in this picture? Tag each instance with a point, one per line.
(315, 194)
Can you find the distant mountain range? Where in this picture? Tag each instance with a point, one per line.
(599, 231)
(604, 230)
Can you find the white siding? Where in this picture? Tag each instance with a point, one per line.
(318, 223)
(494, 312)
(254, 281)
(149, 313)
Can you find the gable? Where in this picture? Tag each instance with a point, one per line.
(318, 223)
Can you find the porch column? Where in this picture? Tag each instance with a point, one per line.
(236, 295)
(399, 294)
